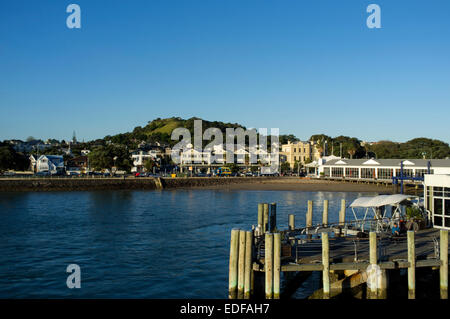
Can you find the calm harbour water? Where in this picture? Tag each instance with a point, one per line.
(133, 244)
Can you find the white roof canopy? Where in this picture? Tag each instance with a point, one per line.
(380, 200)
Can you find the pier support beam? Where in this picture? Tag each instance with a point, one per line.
(443, 273)
(342, 213)
(291, 221)
(276, 265)
(233, 267)
(273, 217)
(241, 264)
(326, 266)
(382, 284)
(260, 216)
(248, 264)
(309, 214)
(372, 280)
(412, 266)
(268, 265)
(265, 218)
(325, 213)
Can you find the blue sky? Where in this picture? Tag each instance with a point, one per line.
(306, 67)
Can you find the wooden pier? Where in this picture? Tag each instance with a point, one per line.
(272, 263)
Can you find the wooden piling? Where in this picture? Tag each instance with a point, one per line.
(276, 265)
(241, 264)
(342, 213)
(291, 221)
(382, 284)
(309, 214)
(326, 266)
(268, 265)
(273, 217)
(443, 272)
(233, 267)
(265, 217)
(325, 213)
(412, 266)
(248, 264)
(372, 280)
(260, 215)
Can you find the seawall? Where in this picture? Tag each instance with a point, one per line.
(117, 183)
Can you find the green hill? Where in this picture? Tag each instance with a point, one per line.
(160, 130)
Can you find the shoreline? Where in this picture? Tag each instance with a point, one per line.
(211, 183)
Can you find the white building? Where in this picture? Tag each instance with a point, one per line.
(140, 157)
(53, 164)
(381, 169)
(437, 199)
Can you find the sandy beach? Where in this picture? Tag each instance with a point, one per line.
(299, 184)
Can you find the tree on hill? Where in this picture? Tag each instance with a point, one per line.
(10, 159)
(105, 157)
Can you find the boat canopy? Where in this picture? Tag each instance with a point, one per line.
(380, 200)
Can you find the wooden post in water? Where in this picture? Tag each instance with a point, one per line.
(342, 213)
(382, 284)
(309, 214)
(260, 216)
(443, 272)
(325, 213)
(233, 267)
(276, 265)
(273, 217)
(412, 266)
(326, 266)
(291, 221)
(248, 264)
(372, 280)
(268, 265)
(265, 218)
(241, 264)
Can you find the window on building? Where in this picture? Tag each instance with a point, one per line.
(337, 171)
(326, 172)
(407, 172)
(351, 172)
(367, 172)
(421, 172)
(385, 173)
(440, 197)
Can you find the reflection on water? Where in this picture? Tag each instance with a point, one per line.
(133, 244)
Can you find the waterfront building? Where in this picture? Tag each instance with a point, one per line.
(33, 163)
(437, 199)
(53, 164)
(78, 164)
(300, 152)
(380, 169)
(139, 158)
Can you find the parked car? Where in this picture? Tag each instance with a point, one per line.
(141, 174)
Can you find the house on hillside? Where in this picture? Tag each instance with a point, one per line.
(139, 158)
(33, 163)
(54, 164)
(78, 164)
